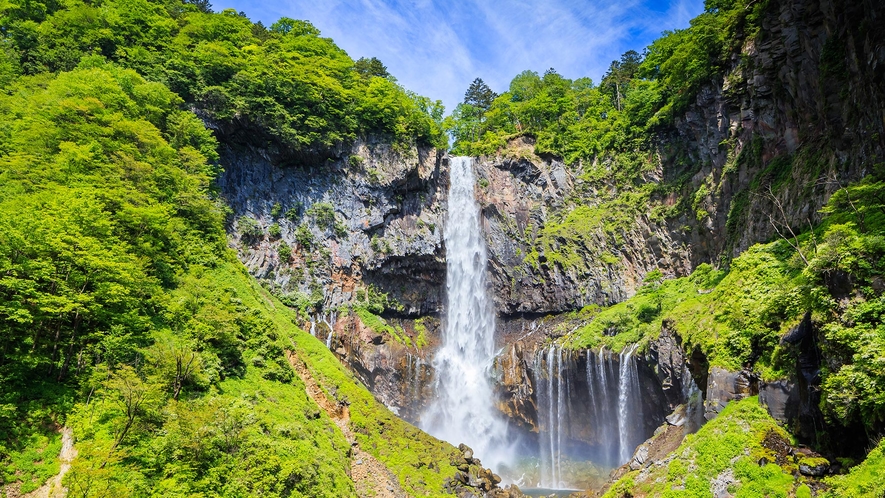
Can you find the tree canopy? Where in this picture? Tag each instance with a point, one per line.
(287, 81)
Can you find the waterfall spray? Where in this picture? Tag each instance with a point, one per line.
(464, 410)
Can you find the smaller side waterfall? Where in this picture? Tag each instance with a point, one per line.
(629, 407)
(599, 375)
(552, 414)
(612, 419)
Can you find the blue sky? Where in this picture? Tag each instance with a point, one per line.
(437, 48)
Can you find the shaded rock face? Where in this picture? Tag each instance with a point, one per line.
(398, 373)
(371, 216)
(795, 401)
(671, 367)
(362, 224)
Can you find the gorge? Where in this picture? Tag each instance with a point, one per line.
(236, 262)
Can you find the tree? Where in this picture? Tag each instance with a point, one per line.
(294, 27)
(620, 73)
(479, 95)
(129, 393)
(204, 6)
(368, 68)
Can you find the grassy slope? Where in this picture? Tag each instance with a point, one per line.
(867, 479)
(420, 461)
(728, 448)
(252, 436)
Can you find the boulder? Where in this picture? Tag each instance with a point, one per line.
(724, 386)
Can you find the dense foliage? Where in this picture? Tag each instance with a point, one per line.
(286, 81)
(112, 313)
(579, 120)
(729, 450)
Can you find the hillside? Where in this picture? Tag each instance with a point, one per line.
(125, 316)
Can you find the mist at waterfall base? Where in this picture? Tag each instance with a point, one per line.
(463, 410)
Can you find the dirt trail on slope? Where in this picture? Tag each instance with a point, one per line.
(369, 475)
(53, 487)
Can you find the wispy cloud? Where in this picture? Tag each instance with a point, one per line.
(436, 48)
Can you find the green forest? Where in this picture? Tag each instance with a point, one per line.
(126, 317)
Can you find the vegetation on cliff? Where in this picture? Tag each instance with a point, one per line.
(580, 120)
(742, 451)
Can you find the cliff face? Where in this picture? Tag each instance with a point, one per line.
(365, 223)
(520, 193)
(799, 114)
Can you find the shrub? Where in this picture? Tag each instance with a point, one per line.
(304, 237)
(249, 227)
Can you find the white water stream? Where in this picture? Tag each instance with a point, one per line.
(463, 410)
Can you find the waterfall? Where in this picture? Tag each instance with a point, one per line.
(551, 411)
(602, 405)
(463, 410)
(629, 409)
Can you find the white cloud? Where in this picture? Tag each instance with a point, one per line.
(436, 48)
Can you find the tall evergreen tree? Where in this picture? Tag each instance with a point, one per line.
(620, 73)
(371, 67)
(479, 95)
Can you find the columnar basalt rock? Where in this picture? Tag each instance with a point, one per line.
(335, 233)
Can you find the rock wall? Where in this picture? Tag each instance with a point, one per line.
(800, 112)
(523, 365)
(366, 222)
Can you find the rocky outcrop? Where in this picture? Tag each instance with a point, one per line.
(724, 386)
(391, 360)
(520, 193)
(474, 481)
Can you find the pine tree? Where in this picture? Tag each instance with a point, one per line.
(479, 95)
(371, 67)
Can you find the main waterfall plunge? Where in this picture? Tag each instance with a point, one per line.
(464, 410)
